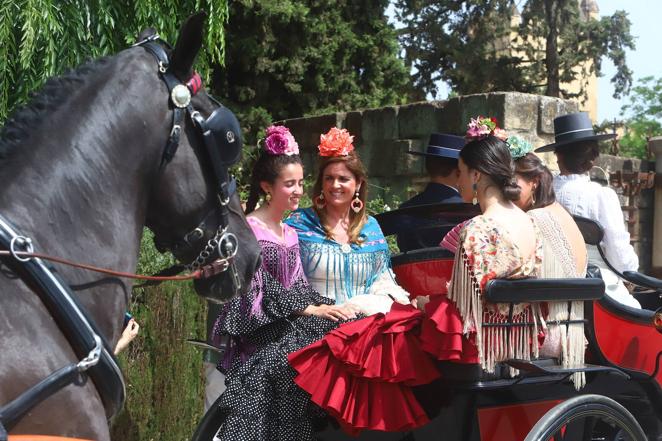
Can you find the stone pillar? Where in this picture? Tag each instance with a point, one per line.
(655, 145)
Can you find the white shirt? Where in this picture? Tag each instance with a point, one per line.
(582, 197)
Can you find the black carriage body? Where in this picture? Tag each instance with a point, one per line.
(623, 359)
(466, 404)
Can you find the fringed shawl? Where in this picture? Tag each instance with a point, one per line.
(278, 290)
(280, 257)
(487, 253)
(337, 271)
(560, 263)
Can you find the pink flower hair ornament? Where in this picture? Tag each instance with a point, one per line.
(279, 141)
(482, 127)
(336, 142)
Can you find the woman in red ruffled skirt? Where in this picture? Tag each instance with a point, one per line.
(363, 372)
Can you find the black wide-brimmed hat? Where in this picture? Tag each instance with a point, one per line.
(443, 146)
(571, 128)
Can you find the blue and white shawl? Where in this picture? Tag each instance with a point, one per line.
(337, 271)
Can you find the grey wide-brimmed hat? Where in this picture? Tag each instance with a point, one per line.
(443, 146)
(573, 127)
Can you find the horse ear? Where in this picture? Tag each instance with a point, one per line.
(146, 34)
(188, 44)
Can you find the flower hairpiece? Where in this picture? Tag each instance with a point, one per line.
(336, 142)
(279, 141)
(482, 127)
(519, 147)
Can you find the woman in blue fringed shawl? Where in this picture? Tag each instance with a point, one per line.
(347, 260)
(345, 255)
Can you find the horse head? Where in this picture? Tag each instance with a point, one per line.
(116, 144)
(194, 210)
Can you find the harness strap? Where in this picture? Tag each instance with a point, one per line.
(158, 51)
(220, 170)
(223, 244)
(173, 140)
(76, 325)
(11, 414)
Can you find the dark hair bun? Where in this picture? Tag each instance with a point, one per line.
(491, 157)
(510, 189)
(579, 157)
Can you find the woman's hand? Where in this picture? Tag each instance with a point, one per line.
(332, 312)
(420, 302)
(129, 333)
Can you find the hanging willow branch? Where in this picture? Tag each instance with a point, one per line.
(42, 38)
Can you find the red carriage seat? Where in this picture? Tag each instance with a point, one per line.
(625, 337)
(622, 336)
(424, 272)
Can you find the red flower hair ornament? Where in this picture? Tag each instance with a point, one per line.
(336, 142)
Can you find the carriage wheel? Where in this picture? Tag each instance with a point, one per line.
(209, 425)
(587, 417)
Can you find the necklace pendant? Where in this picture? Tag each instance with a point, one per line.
(346, 248)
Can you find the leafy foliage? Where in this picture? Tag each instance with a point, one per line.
(458, 43)
(574, 45)
(484, 46)
(163, 373)
(385, 201)
(643, 117)
(42, 38)
(300, 57)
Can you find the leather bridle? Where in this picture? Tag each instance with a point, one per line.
(222, 139)
(221, 135)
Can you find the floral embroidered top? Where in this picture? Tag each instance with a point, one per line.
(488, 252)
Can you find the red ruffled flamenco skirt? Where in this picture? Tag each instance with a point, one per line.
(362, 372)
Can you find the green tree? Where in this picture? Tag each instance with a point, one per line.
(460, 43)
(42, 38)
(643, 117)
(293, 58)
(483, 46)
(574, 46)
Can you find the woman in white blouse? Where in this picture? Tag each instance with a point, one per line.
(344, 253)
(576, 150)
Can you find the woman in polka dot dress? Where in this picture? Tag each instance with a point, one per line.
(281, 311)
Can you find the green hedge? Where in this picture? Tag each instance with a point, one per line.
(163, 373)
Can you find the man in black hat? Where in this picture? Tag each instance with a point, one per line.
(576, 148)
(441, 157)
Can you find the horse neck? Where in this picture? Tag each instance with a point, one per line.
(79, 184)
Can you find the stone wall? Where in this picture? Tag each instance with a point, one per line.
(383, 136)
(642, 229)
